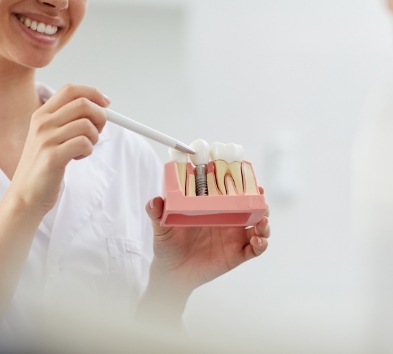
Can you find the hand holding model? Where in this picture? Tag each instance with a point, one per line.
(189, 256)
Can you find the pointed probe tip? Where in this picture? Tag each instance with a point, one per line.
(184, 148)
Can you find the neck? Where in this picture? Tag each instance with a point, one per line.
(18, 98)
(18, 101)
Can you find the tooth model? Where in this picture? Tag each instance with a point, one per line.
(228, 160)
(181, 159)
(200, 160)
(220, 192)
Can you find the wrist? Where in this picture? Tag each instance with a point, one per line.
(165, 298)
(20, 208)
(24, 206)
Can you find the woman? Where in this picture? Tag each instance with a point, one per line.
(73, 230)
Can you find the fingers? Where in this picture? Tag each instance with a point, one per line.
(154, 209)
(72, 103)
(262, 229)
(258, 236)
(71, 121)
(66, 127)
(75, 148)
(78, 109)
(71, 93)
(259, 245)
(81, 127)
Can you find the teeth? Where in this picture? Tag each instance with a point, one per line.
(201, 156)
(227, 152)
(181, 159)
(40, 27)
(178, 156)
(228, 159)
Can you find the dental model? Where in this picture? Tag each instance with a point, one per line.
(228, 159)
(219, 192)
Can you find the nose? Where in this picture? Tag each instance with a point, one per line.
(57, 4)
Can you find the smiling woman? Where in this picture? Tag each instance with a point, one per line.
(80, 234)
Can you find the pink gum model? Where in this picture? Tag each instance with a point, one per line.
(212, 210)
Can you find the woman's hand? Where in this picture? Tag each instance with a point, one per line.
(66, 127)
(187, 257)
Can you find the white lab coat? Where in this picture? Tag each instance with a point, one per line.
(94, 249)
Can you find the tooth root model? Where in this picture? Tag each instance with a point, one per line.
(211, 180)
(220, 192)
(181, 159)
(230, 185)
(227, 163)
(250, 183)
(221, 169)
(235, 169)
(228, 159)
(190, 182)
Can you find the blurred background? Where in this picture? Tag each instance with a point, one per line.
(287, 80)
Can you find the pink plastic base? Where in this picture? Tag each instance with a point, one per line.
(221, 210)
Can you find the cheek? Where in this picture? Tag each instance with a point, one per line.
(76, 13)
(77, 9)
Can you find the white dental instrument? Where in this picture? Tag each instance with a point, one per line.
(148, 132)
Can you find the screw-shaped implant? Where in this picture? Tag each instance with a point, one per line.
(201, 180)
(200, 159)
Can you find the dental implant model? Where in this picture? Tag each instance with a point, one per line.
(200, 160)
(222, 191)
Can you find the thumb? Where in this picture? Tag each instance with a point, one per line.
(154, 209)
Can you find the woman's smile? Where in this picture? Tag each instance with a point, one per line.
(32, 32)
(40, 29)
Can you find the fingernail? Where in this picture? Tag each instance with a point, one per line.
(151, 203)
(107, 99)
(260, 241)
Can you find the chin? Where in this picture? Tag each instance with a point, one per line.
(36, 63)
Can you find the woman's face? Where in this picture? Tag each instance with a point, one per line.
(33, 31)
